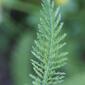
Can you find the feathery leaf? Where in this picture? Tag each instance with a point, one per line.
(47, 46)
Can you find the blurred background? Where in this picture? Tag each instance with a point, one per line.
(18, 27)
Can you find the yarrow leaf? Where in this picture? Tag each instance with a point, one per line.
(47, 47)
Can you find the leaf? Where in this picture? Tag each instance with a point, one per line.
(47, 47)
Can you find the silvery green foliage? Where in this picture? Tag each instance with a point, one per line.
(47, 47)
